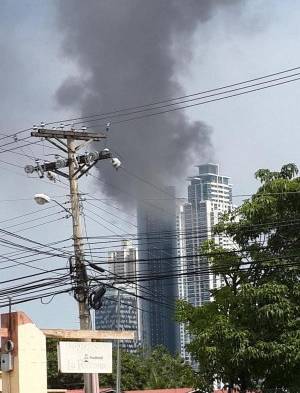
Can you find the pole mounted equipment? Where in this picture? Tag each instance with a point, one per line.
(96, 297)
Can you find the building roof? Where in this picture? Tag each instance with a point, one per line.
(175, 390)
(107, 390)
(101, 390)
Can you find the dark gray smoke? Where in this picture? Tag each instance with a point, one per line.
(125, 52)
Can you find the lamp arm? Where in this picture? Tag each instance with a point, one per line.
(62, 206)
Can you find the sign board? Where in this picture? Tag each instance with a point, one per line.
(84, 357)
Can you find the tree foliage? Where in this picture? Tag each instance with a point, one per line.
(152, 370)
(249, 334)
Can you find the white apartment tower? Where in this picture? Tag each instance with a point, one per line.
(209, 196)
(122, 263)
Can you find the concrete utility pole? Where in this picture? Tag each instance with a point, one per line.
(77, 165)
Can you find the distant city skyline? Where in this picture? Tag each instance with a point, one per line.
(170, 235)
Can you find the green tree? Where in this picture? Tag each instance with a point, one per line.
(167, 371)
(150, 370)
(249, 334)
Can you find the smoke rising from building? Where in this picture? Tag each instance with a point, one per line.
(126, 54)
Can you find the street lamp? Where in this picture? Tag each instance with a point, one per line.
(42, 199)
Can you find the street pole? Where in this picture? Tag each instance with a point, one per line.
(77, 166)
(118, 382)
(84, 312)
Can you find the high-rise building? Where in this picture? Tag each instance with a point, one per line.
(209, 197)
(122, 263)
(182, 290)
(157, 249)
(120, 308)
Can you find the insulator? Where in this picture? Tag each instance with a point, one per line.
(116, 163)
(29, 169)
(105, 153)
(60, 163)
(93, 156)
(51, 176)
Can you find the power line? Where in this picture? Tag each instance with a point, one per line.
(159, 102)
(27, 214)
(58, 251)
(167, 105)
(161, 112)
(11, 164)
(31, 275)
(208, 270)
(111, 214)
(29, 299)
(144, 279)
(205, 270)
(201, 229)
(32, 220)
(35, 251)
(32, 287)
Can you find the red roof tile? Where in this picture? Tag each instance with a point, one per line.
(175, 390)
(101, 390)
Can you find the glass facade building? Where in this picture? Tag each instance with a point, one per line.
(122, 264)
(107, 317)
(157, 249)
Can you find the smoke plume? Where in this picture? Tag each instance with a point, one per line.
(125, 53)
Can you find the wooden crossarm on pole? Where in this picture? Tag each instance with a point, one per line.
(90, 334)
(78, 135)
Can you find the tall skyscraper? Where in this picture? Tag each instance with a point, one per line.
(157, 249)
(122, 263)
(209, 196)
(120, 307)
